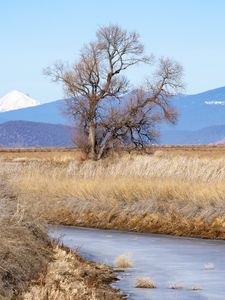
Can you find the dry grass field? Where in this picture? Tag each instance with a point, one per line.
(174, 190)
(51, 154)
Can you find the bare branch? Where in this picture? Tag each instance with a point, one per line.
(96, 84)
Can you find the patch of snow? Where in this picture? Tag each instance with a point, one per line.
(215, 102)
(16, 100)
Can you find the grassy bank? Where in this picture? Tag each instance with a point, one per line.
(25, 248)
(69, 276)
(33, 267)
(164, 192)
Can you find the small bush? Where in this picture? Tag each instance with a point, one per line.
(123, 261)
(145, 283)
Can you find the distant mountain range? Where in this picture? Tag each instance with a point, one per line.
(51, 112)
(34, 134)
(201, 121)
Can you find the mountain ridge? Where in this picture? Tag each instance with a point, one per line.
(35, 134)
(199, 122)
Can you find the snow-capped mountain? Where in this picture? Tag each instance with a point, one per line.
(16, 100)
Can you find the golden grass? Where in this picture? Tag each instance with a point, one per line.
(182, 195)
(48, 154)
(144, 283)
(67, 154)
(123, 261)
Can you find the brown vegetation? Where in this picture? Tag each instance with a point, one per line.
(25, 249)
(144, 283)
(123, 261)
(28, 260)
(67, 154)
(177, 192)
(70, 277)
(51, 154)
(174, 194)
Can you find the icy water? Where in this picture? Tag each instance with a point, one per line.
(184, 261)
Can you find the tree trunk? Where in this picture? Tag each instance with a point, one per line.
(92, 141)
(100, 152)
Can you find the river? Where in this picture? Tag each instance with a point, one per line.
(166, 259)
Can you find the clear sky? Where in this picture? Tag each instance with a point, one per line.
(34, 34)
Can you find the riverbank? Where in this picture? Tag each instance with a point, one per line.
(33, 267)
(25, 247)
(168, 193)
(69, 276)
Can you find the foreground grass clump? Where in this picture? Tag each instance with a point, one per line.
(123, 262)
(166, 193)
(145, 283)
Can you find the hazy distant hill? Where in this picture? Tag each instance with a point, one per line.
(28, 134)
(36, 134)
(51, 112)
(208, 135)
(201, 110)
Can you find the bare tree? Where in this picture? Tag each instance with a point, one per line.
(96, 88)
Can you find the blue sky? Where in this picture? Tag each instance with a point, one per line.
(34, 34)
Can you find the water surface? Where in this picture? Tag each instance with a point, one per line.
(165, 259)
